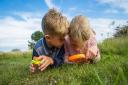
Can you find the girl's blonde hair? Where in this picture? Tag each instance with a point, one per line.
(79, 29)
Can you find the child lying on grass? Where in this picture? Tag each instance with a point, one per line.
(49, 50)
(81, 40)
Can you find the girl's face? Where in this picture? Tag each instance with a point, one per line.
(76, 44)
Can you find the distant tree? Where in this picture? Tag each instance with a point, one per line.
(15, 50)
(121, 31)
(34, 38)
(31, 44)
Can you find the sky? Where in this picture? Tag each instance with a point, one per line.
(20, 18)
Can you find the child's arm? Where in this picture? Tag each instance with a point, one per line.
(32, 68)
(59, 59)
(65, 59)
(66, 55)
(92, 48)
(34, 53)
(45, 62)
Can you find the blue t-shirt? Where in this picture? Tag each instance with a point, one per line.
(41, 48)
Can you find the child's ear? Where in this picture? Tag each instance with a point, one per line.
(47, 37)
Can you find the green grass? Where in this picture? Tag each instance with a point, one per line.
(111, 70)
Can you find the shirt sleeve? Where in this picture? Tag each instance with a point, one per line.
(34, 53)
(59, 59)
(92, 48)
(66, 51)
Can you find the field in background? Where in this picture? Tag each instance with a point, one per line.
(111, 70)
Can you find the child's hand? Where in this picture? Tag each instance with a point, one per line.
(32, 68)
(45, 62)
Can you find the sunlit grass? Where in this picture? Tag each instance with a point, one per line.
(111, 70)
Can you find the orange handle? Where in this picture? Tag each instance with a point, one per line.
(77, 58)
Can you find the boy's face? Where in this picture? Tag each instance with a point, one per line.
(55, 41)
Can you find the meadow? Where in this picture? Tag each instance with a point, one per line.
(111, 70)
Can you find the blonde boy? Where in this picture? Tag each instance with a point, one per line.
(49, 49)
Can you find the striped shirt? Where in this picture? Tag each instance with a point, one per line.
(41, 49)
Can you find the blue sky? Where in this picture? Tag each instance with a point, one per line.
(20, 18)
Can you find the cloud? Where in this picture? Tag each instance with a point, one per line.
(104, 26)
(117, 3)
(15, 33)
(50, 4)
(111, 11)
(72, 8)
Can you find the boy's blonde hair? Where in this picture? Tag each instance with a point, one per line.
(54, 23)
(79, 29)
